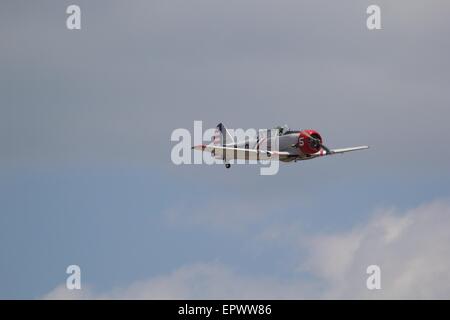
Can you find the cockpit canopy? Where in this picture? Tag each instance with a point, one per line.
(282, 129)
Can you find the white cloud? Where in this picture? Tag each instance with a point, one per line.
(62, 293)
(198, 281)
(412, 248)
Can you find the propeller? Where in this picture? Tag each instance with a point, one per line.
(319, 143)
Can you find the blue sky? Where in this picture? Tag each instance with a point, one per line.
(85, 170)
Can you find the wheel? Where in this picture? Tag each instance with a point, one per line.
(227, 165)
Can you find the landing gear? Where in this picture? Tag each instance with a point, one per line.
(227, 165)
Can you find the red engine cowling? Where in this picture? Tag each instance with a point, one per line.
(306, 145)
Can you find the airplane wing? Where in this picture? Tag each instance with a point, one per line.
(241, 153)
(343, 150)
(323, 153)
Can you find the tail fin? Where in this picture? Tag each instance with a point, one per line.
(222, 136)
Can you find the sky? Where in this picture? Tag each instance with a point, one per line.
(86, 176)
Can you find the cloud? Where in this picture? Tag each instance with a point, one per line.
(62, 293)
(197, 281)
(116, 101)
(412, 249)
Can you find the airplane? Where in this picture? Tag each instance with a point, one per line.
(293, 145)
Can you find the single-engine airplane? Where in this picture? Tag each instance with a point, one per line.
(293, 145)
